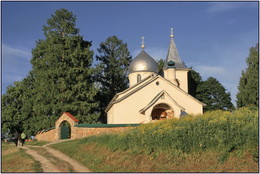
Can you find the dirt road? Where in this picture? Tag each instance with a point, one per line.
(53, 160)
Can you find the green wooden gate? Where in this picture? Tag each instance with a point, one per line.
(64, 132)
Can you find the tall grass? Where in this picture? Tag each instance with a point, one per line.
(217, 130)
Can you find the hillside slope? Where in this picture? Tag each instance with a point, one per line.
(217, 141)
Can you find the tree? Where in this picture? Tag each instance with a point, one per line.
(160, 64)
(17, 106)
(114, 59)
(194, 79)
(11, 104)
(214, 95)
(248, 84)
(63, 73)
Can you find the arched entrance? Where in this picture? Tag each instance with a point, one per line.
(65, 130)
(162, 111)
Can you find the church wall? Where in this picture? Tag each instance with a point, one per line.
(133, 77)
(186, 101)
(171, 75)
(127, 110)
(110, 115)
(182, 76)
(165, 73)
(192, 106)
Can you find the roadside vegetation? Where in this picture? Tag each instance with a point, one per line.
(217, 141)
(15, 159)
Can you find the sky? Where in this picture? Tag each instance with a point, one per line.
(213, 38)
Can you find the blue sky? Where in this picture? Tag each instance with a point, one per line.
(212, 37)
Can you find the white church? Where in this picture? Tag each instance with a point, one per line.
(152, 96)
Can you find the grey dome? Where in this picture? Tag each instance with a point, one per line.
(143, 62)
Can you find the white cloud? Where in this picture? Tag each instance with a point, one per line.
(11, 52)
(15, 64)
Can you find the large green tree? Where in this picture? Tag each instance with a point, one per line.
(214, 95)
(194, 79)
(61, 65)
(12, 102)
(17, 106)
(249, 81)
(111, 76)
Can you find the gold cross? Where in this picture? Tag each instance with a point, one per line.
(172, 33)
(142, 42)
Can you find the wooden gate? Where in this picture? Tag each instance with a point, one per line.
(64, 132)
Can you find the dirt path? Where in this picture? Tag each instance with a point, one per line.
(63, 162)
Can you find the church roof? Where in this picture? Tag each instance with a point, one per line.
(173, 55)
(143, 62)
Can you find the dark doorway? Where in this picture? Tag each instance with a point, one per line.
(65, 130)
(159, 112)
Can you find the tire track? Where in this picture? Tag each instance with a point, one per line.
(49, 166)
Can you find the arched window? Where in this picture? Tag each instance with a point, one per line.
(138, 78)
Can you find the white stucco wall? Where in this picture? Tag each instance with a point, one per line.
(182, 76)
(133, 77)
(127, 110)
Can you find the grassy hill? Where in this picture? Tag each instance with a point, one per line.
(15, 160)
(217, 141)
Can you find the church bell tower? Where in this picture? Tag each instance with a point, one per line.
(174, 68)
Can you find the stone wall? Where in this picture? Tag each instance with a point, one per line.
(76, 132)
(50, 135)
(79, 132)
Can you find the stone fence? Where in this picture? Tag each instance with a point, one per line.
(80, 130)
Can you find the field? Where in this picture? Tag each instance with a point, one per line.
(217, 141)
(15, 159)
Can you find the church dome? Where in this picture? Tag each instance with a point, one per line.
(143, 62)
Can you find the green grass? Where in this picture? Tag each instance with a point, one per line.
(36, 143)
(15, 159)
(178, 145)
(99, 158)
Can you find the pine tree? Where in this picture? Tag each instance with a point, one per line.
(214, 95)
(114, 59)
(63, 73)
(248, 84)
